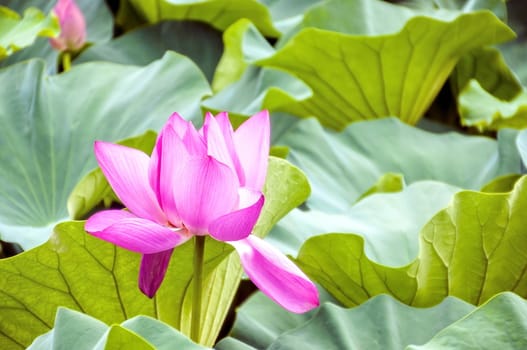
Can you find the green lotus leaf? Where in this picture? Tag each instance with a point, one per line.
(219, 14)
(18, 32)
(99, 27)
(470, 250)
(198, 41)
(49, 124)
(385, 75)
(382, 323)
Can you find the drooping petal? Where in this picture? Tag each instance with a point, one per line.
(204, 189)
(152, 271)
(276, 276)
(220, 144)
(135, 234)
(239, 224)
(126, 169)
(252, 140)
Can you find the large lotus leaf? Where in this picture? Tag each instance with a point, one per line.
(196, 40)
(75, 330)
(499, 324)
(384, 323)
(386, 75)
(219, 14)
(78, 271)
(470, 250)
(344, 165)
(389, 222)
(49, 124)
(99, 27)
(18, 32)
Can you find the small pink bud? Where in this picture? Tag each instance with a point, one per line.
(72, 26)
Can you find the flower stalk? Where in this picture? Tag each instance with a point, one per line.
(66, 61)
(199, 248)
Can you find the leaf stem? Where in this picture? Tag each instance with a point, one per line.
(199, 248)
(66, 61)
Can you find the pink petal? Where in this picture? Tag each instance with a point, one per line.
(204, 189)
(154, 167)
(178, 124)
(224, 123)
(220, 144)
(194, 142)
(276, 276)
(126, 169)
(252, 141)
(238, 224)
(101, 220)
(174, 155)
(135, 234)
(153, 270)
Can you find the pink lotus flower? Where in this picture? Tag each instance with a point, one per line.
(72, 26)
(197, 183)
